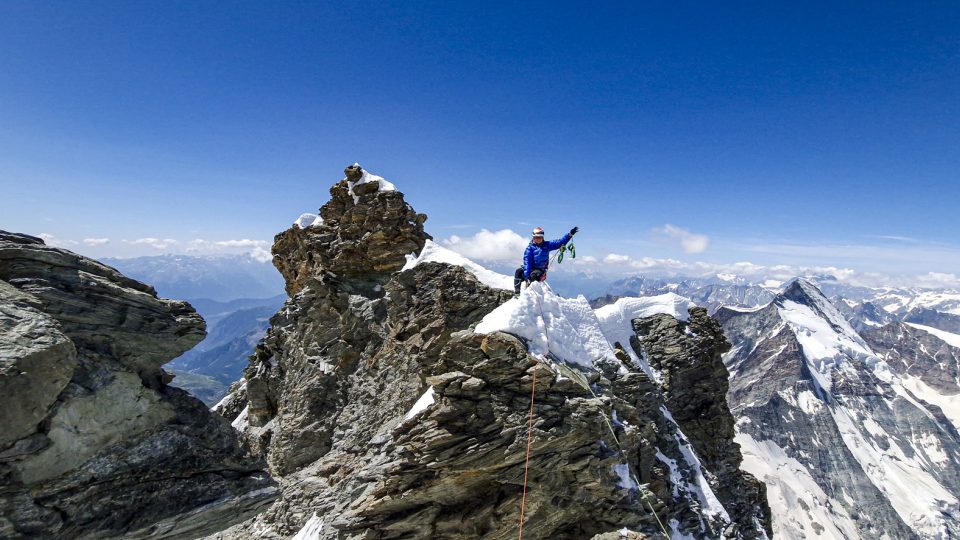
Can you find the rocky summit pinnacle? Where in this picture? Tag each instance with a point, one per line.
(94, 443)
(383, 413)
(365, 234)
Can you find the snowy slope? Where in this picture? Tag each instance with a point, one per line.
(566, 327)
(433, 252)
(948, 337)
(800, 506)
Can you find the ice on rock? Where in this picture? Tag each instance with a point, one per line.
(433, 252)
(426, 400)
(366, 178)
(625, 479)
(307, 219)
(566, 327)
(310, 530)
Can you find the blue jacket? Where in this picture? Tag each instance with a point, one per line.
(538, 256)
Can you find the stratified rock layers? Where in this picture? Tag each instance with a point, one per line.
(383, 415)
(94, 443)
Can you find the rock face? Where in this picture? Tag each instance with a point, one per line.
(94, 443)
(384, 415)
(912, 352)
(694, 381)
(847, 445)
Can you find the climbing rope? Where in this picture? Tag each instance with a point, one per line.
(564, 248)
(533, 393)
(613, 433)
(633, 476)
(526, 464)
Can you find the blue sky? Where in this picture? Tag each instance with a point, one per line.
(809, 134)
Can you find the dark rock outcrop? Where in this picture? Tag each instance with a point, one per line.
(95, 444)
(689, 356)
(331, 396)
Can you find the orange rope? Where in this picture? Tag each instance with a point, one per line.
(526, 465)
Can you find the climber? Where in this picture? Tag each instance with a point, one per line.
(536, 258)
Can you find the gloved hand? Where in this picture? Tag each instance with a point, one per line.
(574, 231)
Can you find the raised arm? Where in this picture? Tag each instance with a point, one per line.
(555, 244)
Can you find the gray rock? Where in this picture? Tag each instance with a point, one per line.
(95, 444)
(329, 392)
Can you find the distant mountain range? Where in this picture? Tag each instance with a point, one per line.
(235, 295)
(233, 330)
(222, 278)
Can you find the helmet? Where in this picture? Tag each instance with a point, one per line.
(538, 232)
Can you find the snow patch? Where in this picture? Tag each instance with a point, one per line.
(426, 400)
(240, 423)
(625, 480)
(433, 252)
(310, 530)
(566, 327)
(367, 178)
(307, 219)
(947, 337)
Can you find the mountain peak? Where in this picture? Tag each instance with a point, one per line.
(366, 232)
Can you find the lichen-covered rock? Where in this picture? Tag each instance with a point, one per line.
(383, 414)
(94, 442)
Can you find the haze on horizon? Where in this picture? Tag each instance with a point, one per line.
(686, 138)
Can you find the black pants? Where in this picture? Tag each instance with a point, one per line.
(537, 274)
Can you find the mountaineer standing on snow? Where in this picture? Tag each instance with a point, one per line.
(536, 258)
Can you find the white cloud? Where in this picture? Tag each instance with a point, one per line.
(258, 249)
(96, 241)
(689, 242)
(52, 240)
(246, 242)
(616, 258)
(156, 243)
(938, 279)
(502, 245)
(261, 254)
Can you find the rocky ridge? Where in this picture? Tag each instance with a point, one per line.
(95, 444)
(383, 414)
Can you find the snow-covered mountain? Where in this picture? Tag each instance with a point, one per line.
(844, 431)
(711, 292)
